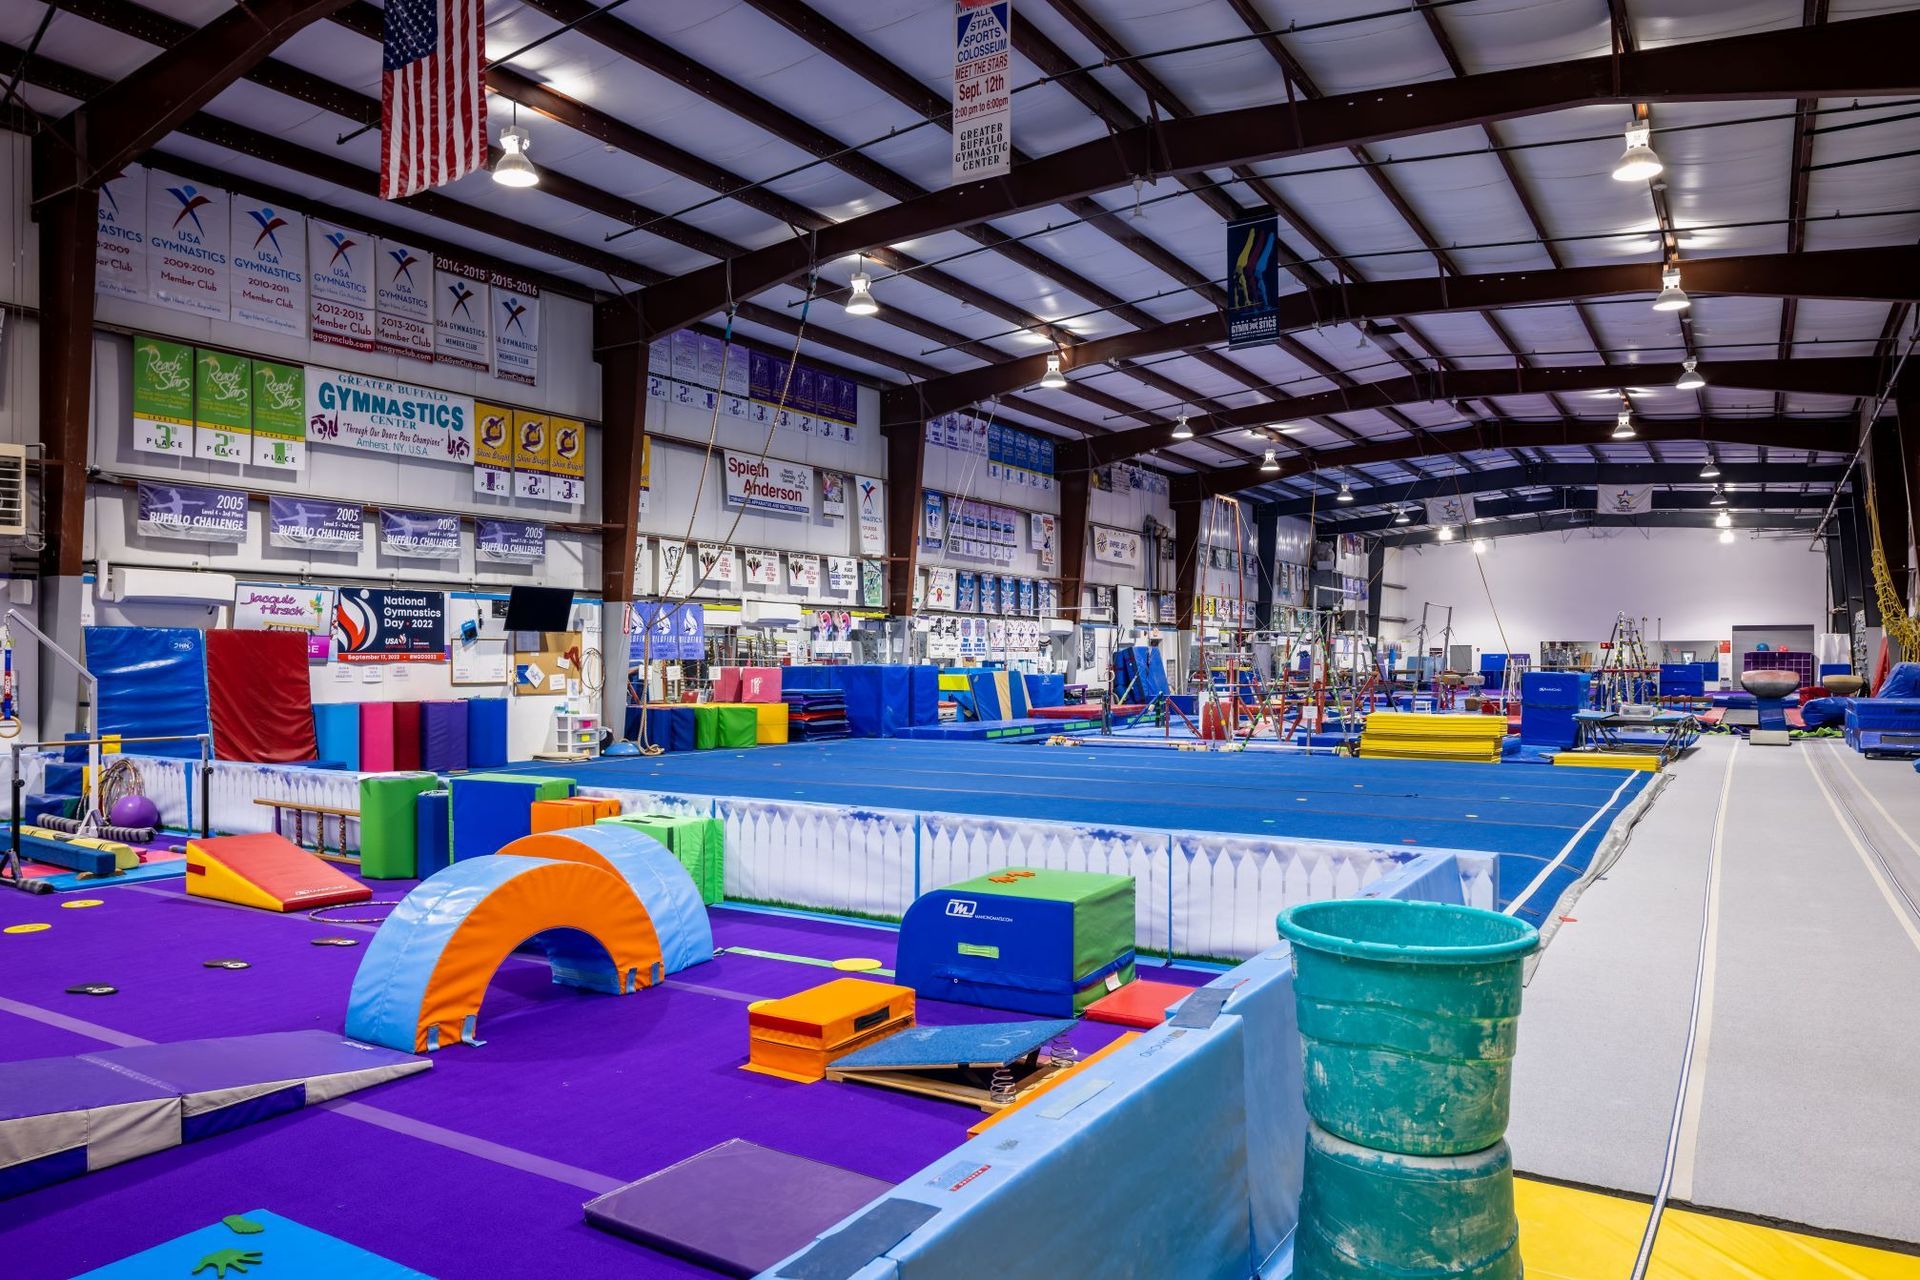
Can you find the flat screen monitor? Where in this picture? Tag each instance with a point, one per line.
(539, 608)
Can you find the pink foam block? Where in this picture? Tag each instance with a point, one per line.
(376, 737)
(759, 684)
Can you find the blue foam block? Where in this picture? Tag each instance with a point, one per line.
(63, 779)
(336, 727)
(35, 806)
(295, 1252)
(433, 837)
(490, 813)
(486, 733)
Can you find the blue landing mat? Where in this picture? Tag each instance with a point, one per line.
(286, 1251)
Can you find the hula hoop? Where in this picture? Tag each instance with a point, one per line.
(319, 913)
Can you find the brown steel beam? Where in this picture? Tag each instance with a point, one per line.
(1861, 57)
(1882, 274)
(906, 468)
(623, 430)
(1896, 504)
(67, 226)
(1186, 556)
(1072, 539)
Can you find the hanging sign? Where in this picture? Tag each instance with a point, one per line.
(120, 235)
(873, 583)
(279, 415)
(803, 573)
(766, 484)
(567, 461)
(676, 575)
(516, 330)
(162, 396)
(222, 407)
(942, 586)
(510, 541)
(763, 567)
(933, 521)
(532, 456)
(1624, 499)
(460, 315)
(359, 412)
(493, 450)
(263, 606)
(660, 631)
(646, 473)
(982, 89)
(315, 524)
(419, 535)
(403, 278)
(1253, 281)
(187, 267)
(867, 493)
(1046, 542)
(1457, 509)
(1116, 546)
(340, 285)
(833, 494)
(192, 512)
(716, 566)
(372, 624)
(843, 574)
(269, 256)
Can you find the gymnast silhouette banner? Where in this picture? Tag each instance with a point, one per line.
(1253, 282)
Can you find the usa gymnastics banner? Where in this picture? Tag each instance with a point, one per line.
(460, 315)
(403, 277)
(1253, 282)
(269, 257)
(516, 331)
(373, 624)
(340, 285)
(120, 239)
(187, 244)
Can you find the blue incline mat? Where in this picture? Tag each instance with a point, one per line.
(153, 682)
(989, 1044)
(286, 1251)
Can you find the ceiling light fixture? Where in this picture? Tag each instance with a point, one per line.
(1480, 546)
(1723, 521)
(1719, 498)
(1269, 464)
(1400, 516)
(1053, 379)
(1726, 535)
(860, 301)
(513, 168)
(1712, 470)
(1638, 162)
(1672, 296)
(1182, 430)
(1345, 494)
(1690, 379)
(1446, 533)
(1623, 426)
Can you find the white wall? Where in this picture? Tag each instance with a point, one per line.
(1128, 508)
(1686, 583)
(959, 475)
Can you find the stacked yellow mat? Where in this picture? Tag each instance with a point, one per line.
(1414, 735)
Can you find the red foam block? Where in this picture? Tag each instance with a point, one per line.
(1138, 1004)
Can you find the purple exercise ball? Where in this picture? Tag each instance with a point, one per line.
(134, 811)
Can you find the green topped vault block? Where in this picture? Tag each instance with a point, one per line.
(1034, 941)
(698, 844)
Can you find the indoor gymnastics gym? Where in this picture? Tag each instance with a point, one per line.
(930, 722)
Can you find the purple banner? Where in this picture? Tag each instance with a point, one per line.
(191, 512)
(315, 524)
(510, 541)
(665, 631)
(419, 535)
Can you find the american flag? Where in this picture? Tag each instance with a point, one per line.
(433, 108)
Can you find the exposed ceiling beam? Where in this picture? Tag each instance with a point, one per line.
(1823, 435)
(1563, 475)
(1578, 502)
(127, 117)
(1575, 521)
(1876, 274)
(1861, 57)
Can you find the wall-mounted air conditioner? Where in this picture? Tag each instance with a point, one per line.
(175, 586)
(13, 491)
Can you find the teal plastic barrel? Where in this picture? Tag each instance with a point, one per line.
(1367, 1214)
(1408, 1018)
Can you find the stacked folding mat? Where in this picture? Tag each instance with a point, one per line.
(815, 715)
(1409, 735)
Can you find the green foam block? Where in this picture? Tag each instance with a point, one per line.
(698, 844)
(387, 825)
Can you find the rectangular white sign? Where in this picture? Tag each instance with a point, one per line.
(355, 411)
(403, 278)
(120, 242)
(269, 254)
(187, 245)
(766, 484)
(982, 89)
(516, 333)
(460, 315)
(340, 285)
(867, 492)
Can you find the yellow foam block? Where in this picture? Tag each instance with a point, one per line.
(1609, 760)
(769, 722)
(953, 683)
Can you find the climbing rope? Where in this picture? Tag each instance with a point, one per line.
(1901, 627)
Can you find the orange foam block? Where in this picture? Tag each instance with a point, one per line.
(794, 1038)
(267, 871)
(1138, 1004)
(574, 811)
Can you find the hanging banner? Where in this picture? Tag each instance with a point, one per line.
(192, 512)
(187, 242)
(510, 541)
(1457, 509)
(120, 235)
(1253, 282)
(315, 524)
(843, 574)
(716, 567)
(933, 521)
(340, 286)
(1116, 546)
(646, 473)
(833, 494)
(279, 416)
(269, 256)
(372, 624)
(676, 574)
(766, 484)
(460, 315)
(803, 573)
(419, 535)
(873, 584)
(493, 450)
(763, 567)
(642, 568)
(222, 407)
(403, 277)
(516, 330)
(359, 412)
(162, 397)
(942, 587)
(532, 456)
(663, 632)
(1624, 499)
(262, 606)
(1044, 530)
(873, 535)
(567, 461)
(982, 89)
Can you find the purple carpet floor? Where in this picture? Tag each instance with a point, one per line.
(479, 1166)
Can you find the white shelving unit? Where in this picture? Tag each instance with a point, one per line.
(576, 735)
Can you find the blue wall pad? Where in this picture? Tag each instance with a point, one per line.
(433, 832)
(486, 733)
(62, 1117)
(669, 728)
(336, 727)
(1046, 691)
(881, 700)
(62, 779)
(923, 695)
(296, 1252)
(443, 735)
(153, 681)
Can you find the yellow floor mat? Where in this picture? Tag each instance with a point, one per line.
(1583, 1235)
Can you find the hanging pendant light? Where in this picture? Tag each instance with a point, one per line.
(1053, 379)
(1623, 426)
(1638, 162)
(1269, 464)
(1181, 429)
(1672, 296)
(513, 168)
(1719, 498)
(1712, 470)
(860, 299)
(1690, 379)
(1345, 494)
(1400, 516)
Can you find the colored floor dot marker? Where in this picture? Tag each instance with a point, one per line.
(857, 964)
(27, 928)
(336, 942)
(758, 1005)
(78, 903)
(225, 964)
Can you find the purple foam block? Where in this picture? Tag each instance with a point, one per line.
(737, 1207)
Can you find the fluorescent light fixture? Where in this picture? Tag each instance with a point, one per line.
(1480, 546)
(1638, 162)
(1269, 464)
(1723, 521)
(1400, 516)
(1446, 533)
(1345, 494)
(1711, 471)
(860, 301)
(1623, 426)
(1726, 535)
(1719, 498)
(1690, 379)
(1182, 430)
(513, 168)
(1672, 296)
(1053, 379)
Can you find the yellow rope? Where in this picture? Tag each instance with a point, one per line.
(1901, 628)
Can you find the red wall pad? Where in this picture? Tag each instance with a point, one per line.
(258, 696)
(406, 735)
